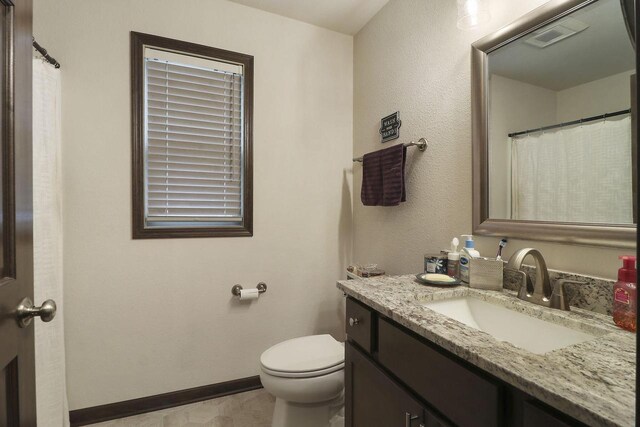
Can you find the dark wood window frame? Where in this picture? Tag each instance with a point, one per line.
(141, 230)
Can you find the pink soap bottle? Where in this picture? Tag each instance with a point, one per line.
(624, 295)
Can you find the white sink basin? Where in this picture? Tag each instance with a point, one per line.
(531, 334)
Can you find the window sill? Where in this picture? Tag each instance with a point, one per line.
(191, 232)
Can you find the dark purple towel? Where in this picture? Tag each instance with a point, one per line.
(383, 177)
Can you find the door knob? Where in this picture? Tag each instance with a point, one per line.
(26, 311)
(353, 321)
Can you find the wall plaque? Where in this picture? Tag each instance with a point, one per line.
(390, 127)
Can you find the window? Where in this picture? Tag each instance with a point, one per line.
(192, 154)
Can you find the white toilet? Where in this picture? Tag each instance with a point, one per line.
(306, 375)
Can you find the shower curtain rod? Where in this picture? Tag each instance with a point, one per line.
(51, 60)
(574, 122)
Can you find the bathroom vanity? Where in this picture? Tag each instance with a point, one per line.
(411, 362)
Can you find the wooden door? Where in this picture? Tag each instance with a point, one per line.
(374, 400)
(17, 364)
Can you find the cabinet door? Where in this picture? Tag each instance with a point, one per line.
(535, 414)
(464, 396)
(432, 420)
(373, 399)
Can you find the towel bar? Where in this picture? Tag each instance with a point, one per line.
(422, 145)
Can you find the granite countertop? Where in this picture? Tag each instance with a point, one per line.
(593, 381)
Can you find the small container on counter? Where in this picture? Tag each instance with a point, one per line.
(485, 273)
(435, 263)
(369, 270)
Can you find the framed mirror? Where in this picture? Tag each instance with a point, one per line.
(554, 141)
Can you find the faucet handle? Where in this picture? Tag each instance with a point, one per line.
(559, 297)
(523, 291)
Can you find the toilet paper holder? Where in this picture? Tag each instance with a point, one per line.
(262, 288)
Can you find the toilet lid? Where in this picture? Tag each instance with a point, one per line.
(304, 354)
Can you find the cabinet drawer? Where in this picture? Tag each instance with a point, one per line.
(359, 324)
(461, 395)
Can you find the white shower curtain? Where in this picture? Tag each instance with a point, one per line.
(51, 393)
(574, 174)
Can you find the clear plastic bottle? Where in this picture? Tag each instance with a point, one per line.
(625, 308)
(453, 259)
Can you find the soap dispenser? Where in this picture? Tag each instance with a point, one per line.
(625, 309)
(469, 246)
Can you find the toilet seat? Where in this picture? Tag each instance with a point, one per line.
(304, 357)
(309, 374)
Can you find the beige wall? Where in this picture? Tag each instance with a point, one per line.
(412, 58)
(151, 316)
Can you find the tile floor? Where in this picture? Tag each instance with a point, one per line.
(250, 409)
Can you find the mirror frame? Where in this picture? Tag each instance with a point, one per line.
(619, 236)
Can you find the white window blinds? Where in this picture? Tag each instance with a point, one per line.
(193, 144)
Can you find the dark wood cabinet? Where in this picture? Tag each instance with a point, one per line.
(535, 414)
(395, 378)
(377, 400)
(466, 398)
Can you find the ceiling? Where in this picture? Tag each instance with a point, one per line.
(344, 16)
(601, 50)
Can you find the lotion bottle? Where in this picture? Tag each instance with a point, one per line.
(467, 253)
(625, 310)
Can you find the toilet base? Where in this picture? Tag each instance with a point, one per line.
(325, 414)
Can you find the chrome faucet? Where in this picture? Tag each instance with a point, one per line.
(539, 292)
